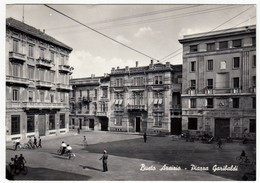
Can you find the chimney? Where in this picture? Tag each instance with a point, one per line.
(127, 68)
(152, 61)
(43, 30)
(136, 64)
(113, 70)
(117, 67)
(168, 64)
(92, 75)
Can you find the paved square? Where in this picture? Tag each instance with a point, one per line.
(129, 155)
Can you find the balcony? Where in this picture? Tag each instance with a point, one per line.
(191, 91)
(252, 89)
(44, 84)
(137, 107)
(41, 62)
(177, 106)
(158, 109)
(17, 57)
(14, 104)
(119, 109)
(17, 80)
(43, 105)
(101, 113)
(64, 68)
(176, 114)
(87, 99)
(65, 87)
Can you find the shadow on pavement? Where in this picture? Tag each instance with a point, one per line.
(49, 174)
(91, 168)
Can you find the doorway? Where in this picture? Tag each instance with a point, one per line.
(222, 128)
(91, 124)
(176, 126)
(42, 125)
(137, 124)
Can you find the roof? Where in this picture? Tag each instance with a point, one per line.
(10, 22)
(219, 33)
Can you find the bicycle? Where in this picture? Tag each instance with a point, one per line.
(243, 159)
(84, 143)
(219, 145)
(70, 155)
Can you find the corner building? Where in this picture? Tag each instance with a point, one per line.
(146, 99)
(219, 82)
(89, 102)
(37, 83)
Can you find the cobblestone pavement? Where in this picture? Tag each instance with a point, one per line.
(128, 154)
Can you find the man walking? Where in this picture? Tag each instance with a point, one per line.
(145, 137)
(40, 143)
(104, 160)
(35, 142)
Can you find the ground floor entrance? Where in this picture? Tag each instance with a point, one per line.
(104, 123)
(91, 124)
(42, 125)
(222, 127)
(176, 126)
(137, 124)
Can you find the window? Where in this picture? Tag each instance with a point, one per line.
(158, 80)
(51, 121)
(62, 60)
(235, 82)
(237, 43)
(95, 106)
(119, 82)
(223, 45)
(254, 81)
(30, 96)
(138, 81)
(236, 62)
(52, 56)
(193, 66)
(62, 97)
(193, 48)
(30, 54)
(52, 98)
(41, 73)
(158, 119)
(105, 92)
(30, 123)
(253, 41)
(15, 46)
(52, 74)
(210, 65)
(223, 65)
(87, 93)
(192, 103)
(96, 92)
(252, 125)
(209, 102)
(62, 121)
(16, 69)
(80, 93)
(42, 96)
(15, 125)
(15, 94)
(235, 102)
(253, 102)
(31, 72)
(254, 61)
(42, 53)
(138, 98)
(118, 120)
(192, 124)
(210, 84)
(210, 46)
(192, 84)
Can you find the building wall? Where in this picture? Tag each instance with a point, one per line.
(222, 94)
(18, 77)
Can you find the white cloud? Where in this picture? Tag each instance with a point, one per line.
(85, 64)
(122, 39)
(145, 31)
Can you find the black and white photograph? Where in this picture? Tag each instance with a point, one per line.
(129, 91)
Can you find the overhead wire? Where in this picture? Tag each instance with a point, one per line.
(164, 58)
(108, 37)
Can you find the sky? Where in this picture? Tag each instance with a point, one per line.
(152, 29)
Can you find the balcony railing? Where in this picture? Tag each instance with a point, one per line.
(17, 80)
(119, 109)
(252, 89)
(14, 56)
(64, 68)
(137, 107)
(64, 86)
(158, 109)
(43, 105)
(177, 106)
(176, 114)
(44, 84)
(41, 62)
(101, 113)
(87, 99)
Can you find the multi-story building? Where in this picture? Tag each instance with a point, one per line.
(146, 99)
(37, 82)
(219, 82)
(89, 103)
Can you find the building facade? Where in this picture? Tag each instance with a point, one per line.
(219, 82)
(37, 83)
(89, 102)
(146, 99)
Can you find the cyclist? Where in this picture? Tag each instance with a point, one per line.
(16, 163)
(21, 161)
(63, 148)
(30, 143)
(68, 149)
(17, 143)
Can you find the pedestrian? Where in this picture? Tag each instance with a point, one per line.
(187, 135)
(104, 161)
(78, 130)
(40, 142)
(85, 143)
(63, 148)
(21, 161)
(17, 143)
(35, 141)
(145, 137)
